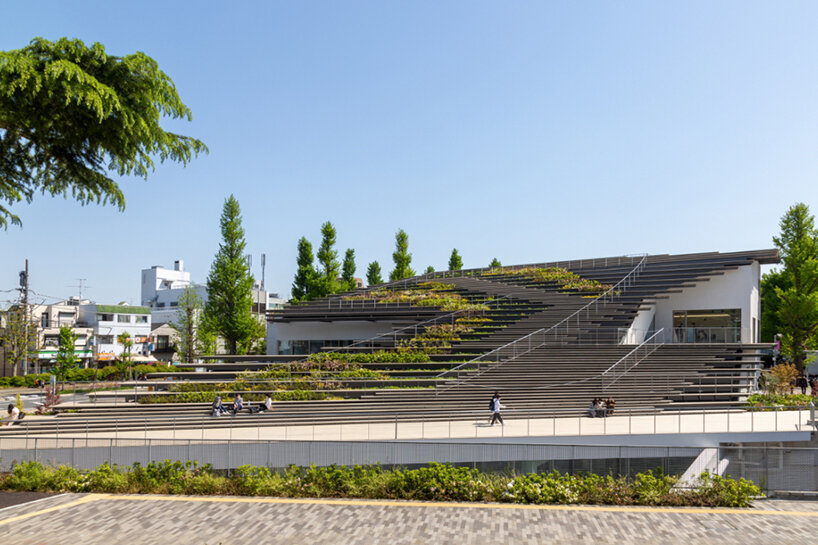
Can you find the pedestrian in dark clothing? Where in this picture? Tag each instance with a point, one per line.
(801, 382)
(495, 410)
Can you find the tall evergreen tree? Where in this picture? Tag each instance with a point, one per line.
(798, 308)
(401, 257)
(348, 270)
(373, 274)
(455, 261)
(305, 275)
(429, 270)
(495, 263)
(230, 285)
(328, 259)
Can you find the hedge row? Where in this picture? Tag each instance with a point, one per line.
(88, 375)
(435, 482)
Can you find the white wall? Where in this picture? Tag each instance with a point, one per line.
(321, 331)
(158, 279)
(736, 289)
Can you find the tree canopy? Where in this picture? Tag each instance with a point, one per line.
(230, 285)
(401, 257)
(328, 260)
(495, 263)
(348, 270)
(373, 274)
(455, 261)
(305, 274)
(797, 290)
(70, 114)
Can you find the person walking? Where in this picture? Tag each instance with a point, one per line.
(495, 410)
(801, 382)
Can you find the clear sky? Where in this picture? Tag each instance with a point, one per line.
(526, 131)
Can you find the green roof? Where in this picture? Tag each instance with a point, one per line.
(122, 309)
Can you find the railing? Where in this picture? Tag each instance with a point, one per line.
(630, 360)
(453, 425)
(534, 340)
(570, 264)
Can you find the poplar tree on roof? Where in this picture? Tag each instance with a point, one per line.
(401, 257)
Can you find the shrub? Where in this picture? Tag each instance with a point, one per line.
(437, 482)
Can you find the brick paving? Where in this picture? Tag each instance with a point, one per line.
(98, 519)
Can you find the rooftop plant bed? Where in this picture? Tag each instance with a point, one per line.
(424, 297)
(557, 275)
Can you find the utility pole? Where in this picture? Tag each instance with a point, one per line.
(24, 290)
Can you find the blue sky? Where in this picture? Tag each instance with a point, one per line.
(526, 131)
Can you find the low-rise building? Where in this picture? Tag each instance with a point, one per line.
(108, 322)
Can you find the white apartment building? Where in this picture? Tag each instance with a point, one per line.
(107, 322)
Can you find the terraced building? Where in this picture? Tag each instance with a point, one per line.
(652, 331)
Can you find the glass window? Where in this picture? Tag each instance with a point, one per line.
(141, 319)
(162, 342)
(123, 318)
(707, 326)
(105, 317)
(106, 339)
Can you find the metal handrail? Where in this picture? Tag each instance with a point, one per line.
(544, 331)
(612, 368)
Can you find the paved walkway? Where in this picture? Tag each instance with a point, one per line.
(157, 520)
(665, 423)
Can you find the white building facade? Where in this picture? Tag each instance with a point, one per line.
(107, 322)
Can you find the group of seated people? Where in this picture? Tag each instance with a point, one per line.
(602, 407)
(218, 409)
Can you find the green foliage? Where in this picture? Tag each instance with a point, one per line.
(193, 338)
(18, 337)
(348, 270)
(401, 257)
(797, 290)
(757, 401)
(495, 263)
(380, 356)
(429, 297)
(229, 286)
(435, 482)
(455, 261)
(771, 323)
(305, 275)
(429, 270)
(327, 283)
(373, 274)
(66, 358)
(70, 113)
(557, 275)
(109, 373)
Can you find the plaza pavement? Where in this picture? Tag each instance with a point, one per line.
(92, 519)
